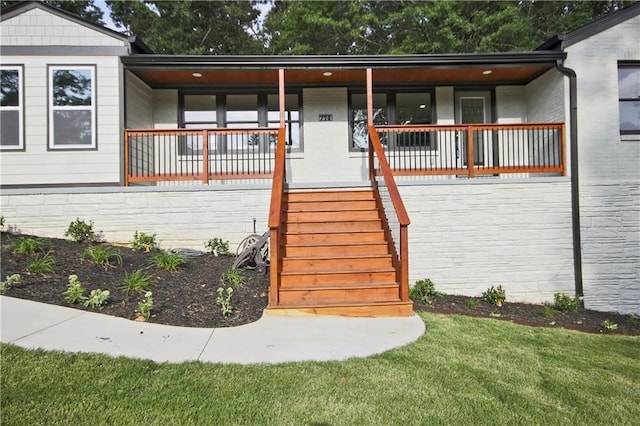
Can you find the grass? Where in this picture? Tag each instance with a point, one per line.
(463, 371)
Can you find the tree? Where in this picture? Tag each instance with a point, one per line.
(191, 27)
(84, 8)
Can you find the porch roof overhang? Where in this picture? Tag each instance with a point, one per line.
(171, 71)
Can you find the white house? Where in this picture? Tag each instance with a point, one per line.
(95, 125)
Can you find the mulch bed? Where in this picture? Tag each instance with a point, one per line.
(187, 297)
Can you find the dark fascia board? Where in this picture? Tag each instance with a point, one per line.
(26, 6)
(603, 23)
(176, 62)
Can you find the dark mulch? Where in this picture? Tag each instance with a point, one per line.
(534, 315)
(188, 297)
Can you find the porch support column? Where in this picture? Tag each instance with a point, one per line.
(281, 96)
(369, 97)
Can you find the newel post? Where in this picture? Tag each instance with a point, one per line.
(372, 175)
(470, 153)
(127, 159)
(205, 157)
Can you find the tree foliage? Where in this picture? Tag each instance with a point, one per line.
(191, 27)
(84, 8)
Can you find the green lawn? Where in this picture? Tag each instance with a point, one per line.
(463, 371)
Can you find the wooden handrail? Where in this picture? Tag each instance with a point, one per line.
(182, 131)
(275, 217)
(387, 174)
(464, 127)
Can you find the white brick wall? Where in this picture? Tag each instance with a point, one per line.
(180, 218)
(469, 236)
(609, 172)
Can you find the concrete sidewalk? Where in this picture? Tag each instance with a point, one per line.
(272, 339)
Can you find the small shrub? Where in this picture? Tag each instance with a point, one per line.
(42, 265)
(2, 223)
(145, 307)
(102, 255)
(25, 246)
(224, 300)
(217, 246)
(565, 303)
(80, 231)
(423, 291)
(495, 295)
(546, 311)
(144, 242)
(11, 281)
(75, 291)
(138, 281)
(169, 261)
(233, 278)
(608, 325)
(97, 298)
(471, 303)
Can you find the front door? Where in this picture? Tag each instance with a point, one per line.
(473, 107)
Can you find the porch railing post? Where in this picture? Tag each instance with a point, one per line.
(404, 263)
(563, 156)
(372, 175)
(127, 159)
(470, 153)
(205, 157)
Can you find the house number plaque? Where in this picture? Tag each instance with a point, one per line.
(325, 117)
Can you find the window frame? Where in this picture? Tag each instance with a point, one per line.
(52, 146)
(262, 109)
(20, 108)
(622, 65)
(390, 92)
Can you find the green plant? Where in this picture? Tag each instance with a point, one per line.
(97, 298)
(11, 281)
(423, 291)
(609, 325)
(25, 246)
(145, 307)
(224, 300)
(471, 303)
(633, 320)
(80, 231)
(565, 303)
(169, 261)
(144, 242)
(546, 311)
(2, 223)
(138, 281)
(217, 246)
(102, 255)
(495, 295)
(75, 291)
(42, 265)
(233, 278)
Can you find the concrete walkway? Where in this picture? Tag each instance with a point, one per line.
(272, 339)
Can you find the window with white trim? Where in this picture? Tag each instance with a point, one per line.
(629, 98)
(11, 108)
(72, 109)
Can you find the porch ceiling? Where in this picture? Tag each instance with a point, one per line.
(196, 71)
(468, 75)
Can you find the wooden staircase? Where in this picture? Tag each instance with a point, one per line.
(335, 257)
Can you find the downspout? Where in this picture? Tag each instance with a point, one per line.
(575, 189)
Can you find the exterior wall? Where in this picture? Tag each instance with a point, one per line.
(180, 218)
(546, 99)
(609, 172)
(511, 107)
(467, 236)
(50, 34)
(139, 103)
(38, 27)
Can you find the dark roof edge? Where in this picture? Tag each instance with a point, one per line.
(594, 27)
(324, 61)
(137, 45)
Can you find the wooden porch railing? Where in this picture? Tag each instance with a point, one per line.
(154, 155)
(494, 148)
(275, 217)
(396, 219)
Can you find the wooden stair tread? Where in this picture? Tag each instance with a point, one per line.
(342, 304)
(364, 256)
(346, 286)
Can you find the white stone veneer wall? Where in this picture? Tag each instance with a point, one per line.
(180, 218)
